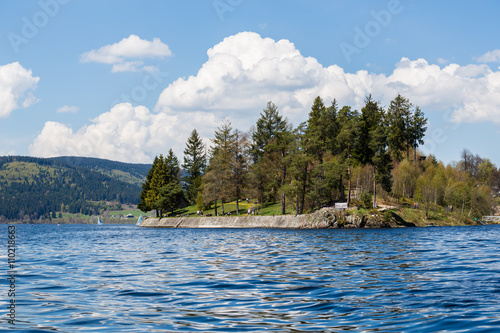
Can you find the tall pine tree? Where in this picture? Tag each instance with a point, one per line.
(398, 119)
(269, 149)
(170, 194)
(371, 145)
(219, 173)
(346, 137)
(417, 130)
(194, 165)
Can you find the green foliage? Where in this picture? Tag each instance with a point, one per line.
(406, 127)
(269, 125)
(269, 150)
(218, 178)
(170, 197)
(405, 179)
(326, 183)
(366, 199)
(194, 165)
(164, 173)
(388, 215)
(369, 122)
(200, 203)
(32, 188)
(125, 172)
(303, 168)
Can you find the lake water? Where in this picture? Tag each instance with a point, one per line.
(121, 278)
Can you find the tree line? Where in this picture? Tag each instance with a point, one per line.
(338, 154)
(34, 189)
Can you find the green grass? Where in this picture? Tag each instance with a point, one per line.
(271, 209)
(117, 213)
(439, 218)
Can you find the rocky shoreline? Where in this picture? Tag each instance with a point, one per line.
(326, 218)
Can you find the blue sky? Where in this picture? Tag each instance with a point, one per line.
(127, 80)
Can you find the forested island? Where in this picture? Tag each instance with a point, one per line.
(368, 159)
(363, 158)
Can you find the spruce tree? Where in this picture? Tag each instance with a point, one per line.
(148, 194)
(172, 168)
(371, 146)
(170, 194)
(346, 137)
(299, 162)
(219, 173)
(268, 125)
(194, 165)
(417, 130)
(315, 132)
(163, 172)
(398, 119)
(239, 165)
(271, 140)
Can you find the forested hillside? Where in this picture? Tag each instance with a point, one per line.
(35, 188)
(127, 172)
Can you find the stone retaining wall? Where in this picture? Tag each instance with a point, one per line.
(279, 221)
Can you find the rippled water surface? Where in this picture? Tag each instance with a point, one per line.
(110, 278)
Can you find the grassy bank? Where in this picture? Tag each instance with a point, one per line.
(404, 215)
(230, 207)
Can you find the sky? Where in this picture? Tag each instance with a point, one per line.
(128, 80)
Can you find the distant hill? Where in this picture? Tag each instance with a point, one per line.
(127, 172)
(33, 188)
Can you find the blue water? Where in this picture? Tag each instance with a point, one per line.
(109, 278)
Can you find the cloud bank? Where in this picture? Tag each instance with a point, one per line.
(120, 54)
(124, 133)
(16, 88)
(243, 73)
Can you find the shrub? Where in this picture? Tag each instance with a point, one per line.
(387, 215)
(366, 199)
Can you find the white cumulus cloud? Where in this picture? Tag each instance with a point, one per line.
(132, 47)
(243, 73)
(124, 133)
(491, 56)
(16, 88)
(68, 109)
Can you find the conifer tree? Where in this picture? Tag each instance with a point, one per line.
(239, 165)
(150, 188)
(146, 204)
(299, 162)
(194, 165)
(170, 194)
(398, 119)
(271, 140)
(268, 125)
(406, 127)
(332, 127)
(346, 137)
(219, 174)
(371, 146)
(417, 130)
(315, 132)
(164, 171)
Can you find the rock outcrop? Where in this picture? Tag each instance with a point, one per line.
(326, 218)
